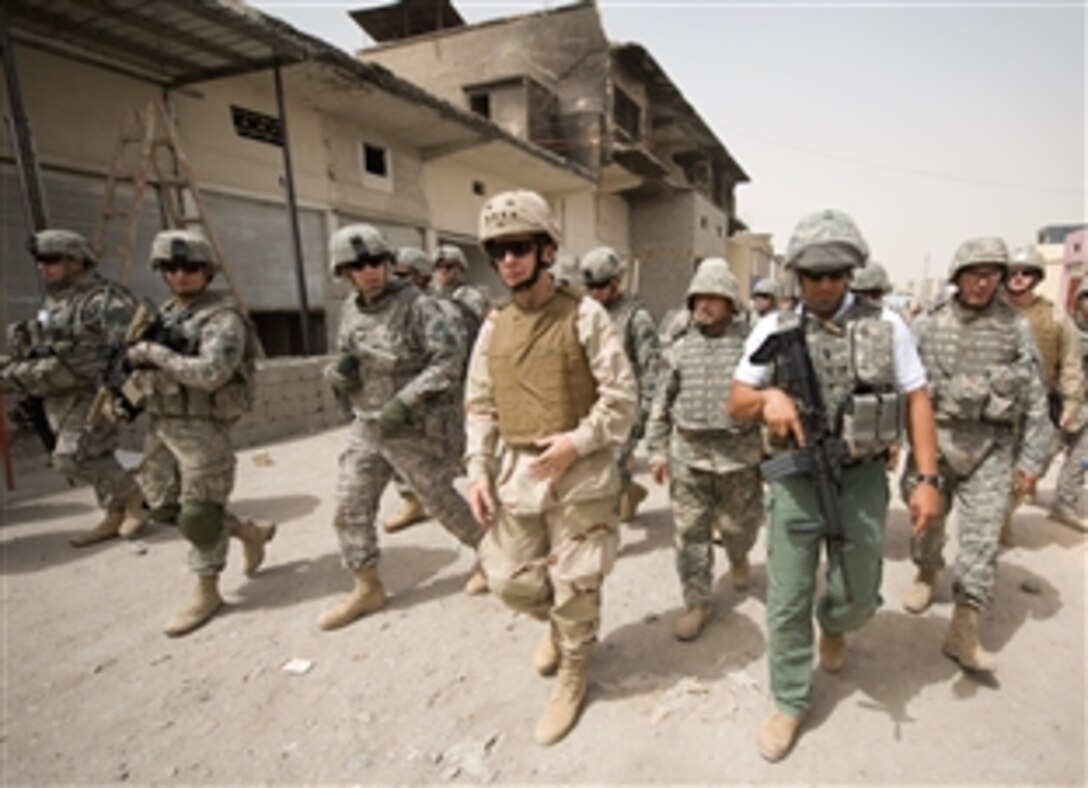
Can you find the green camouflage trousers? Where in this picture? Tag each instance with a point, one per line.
(793, 559)
(85, 453)
(367, 466)
(981, 499)
(705, 504)
(190, 459)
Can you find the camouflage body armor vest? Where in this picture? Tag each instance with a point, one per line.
(63, 330)
(706, 365)
(381, 335)
(969, 357)
(182, 327)
(853, 358)
(1040, 316)
(539, 371)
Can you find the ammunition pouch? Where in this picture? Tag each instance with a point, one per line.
(872, 423)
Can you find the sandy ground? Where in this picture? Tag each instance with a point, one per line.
(438, 686)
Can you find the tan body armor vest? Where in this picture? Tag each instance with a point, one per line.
(539, 371)
(1040, 316)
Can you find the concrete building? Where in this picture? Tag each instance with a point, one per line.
(365, 145)
(664, 183)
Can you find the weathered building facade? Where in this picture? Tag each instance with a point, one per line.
(664, 183)
(365, 146)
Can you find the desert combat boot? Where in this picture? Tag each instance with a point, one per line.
(920, 594)
(962, 644)
(107, 528)
(776, 735)
(691, 622)
(203, 606)
(411, 512)
(566, 701)
(253, 538)
(136, 515)
(367, 596)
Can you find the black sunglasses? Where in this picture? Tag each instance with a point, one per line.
(591, 285)
(173, 266)
(818, 276)
(497, 250)
(48, 259)
(359, 263)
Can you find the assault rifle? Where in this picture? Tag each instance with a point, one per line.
(822, 455)
(28, 413)
(114, 401)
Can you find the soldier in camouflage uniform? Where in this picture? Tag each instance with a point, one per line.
(195, 379)
(988, 395)
(58, 358)
(549, 377)
(414, 265)
(400, 365)
(450, 268)
(602, 272)
(765, 296)
(872, 282)
(868, 373)
(713, 461)
(1058, 342)
(1075, 436)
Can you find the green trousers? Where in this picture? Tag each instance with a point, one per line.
(795, 541)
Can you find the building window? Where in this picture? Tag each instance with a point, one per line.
(704, 222)
(627, 114)
(480, 103)
(253, 125)
(374, 160)
(478, 188)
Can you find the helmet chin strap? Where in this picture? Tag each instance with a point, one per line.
(528, 282)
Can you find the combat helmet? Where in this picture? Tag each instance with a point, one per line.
(451, 254)
(714, 277)
(182, 246)
(356, 241)
(826, 240)
(62, 243)
(416, 259)
(601, 265)
(518, 212)
(767, 287)
(1030, 258)
(985, 250)
(871, 276)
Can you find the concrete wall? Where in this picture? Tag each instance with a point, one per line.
(662, 240)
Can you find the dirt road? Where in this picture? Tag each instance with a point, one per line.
(438, 687)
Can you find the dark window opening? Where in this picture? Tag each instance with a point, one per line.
(627, 114)
(281, 332)
(480, 103)
(374, 160)
(256, 126)
(478, 188)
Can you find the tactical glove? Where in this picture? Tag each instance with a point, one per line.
(343, 375)
(393, 417)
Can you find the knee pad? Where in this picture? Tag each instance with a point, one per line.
(201, 522)
(166, 514)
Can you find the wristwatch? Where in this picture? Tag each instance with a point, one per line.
(929, 478)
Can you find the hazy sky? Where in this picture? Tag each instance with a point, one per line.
(930, 122)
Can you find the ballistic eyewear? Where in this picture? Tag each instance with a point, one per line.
(173, 266)
(359, 263)
(48, 259)
(498, 250)
(819, 276)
